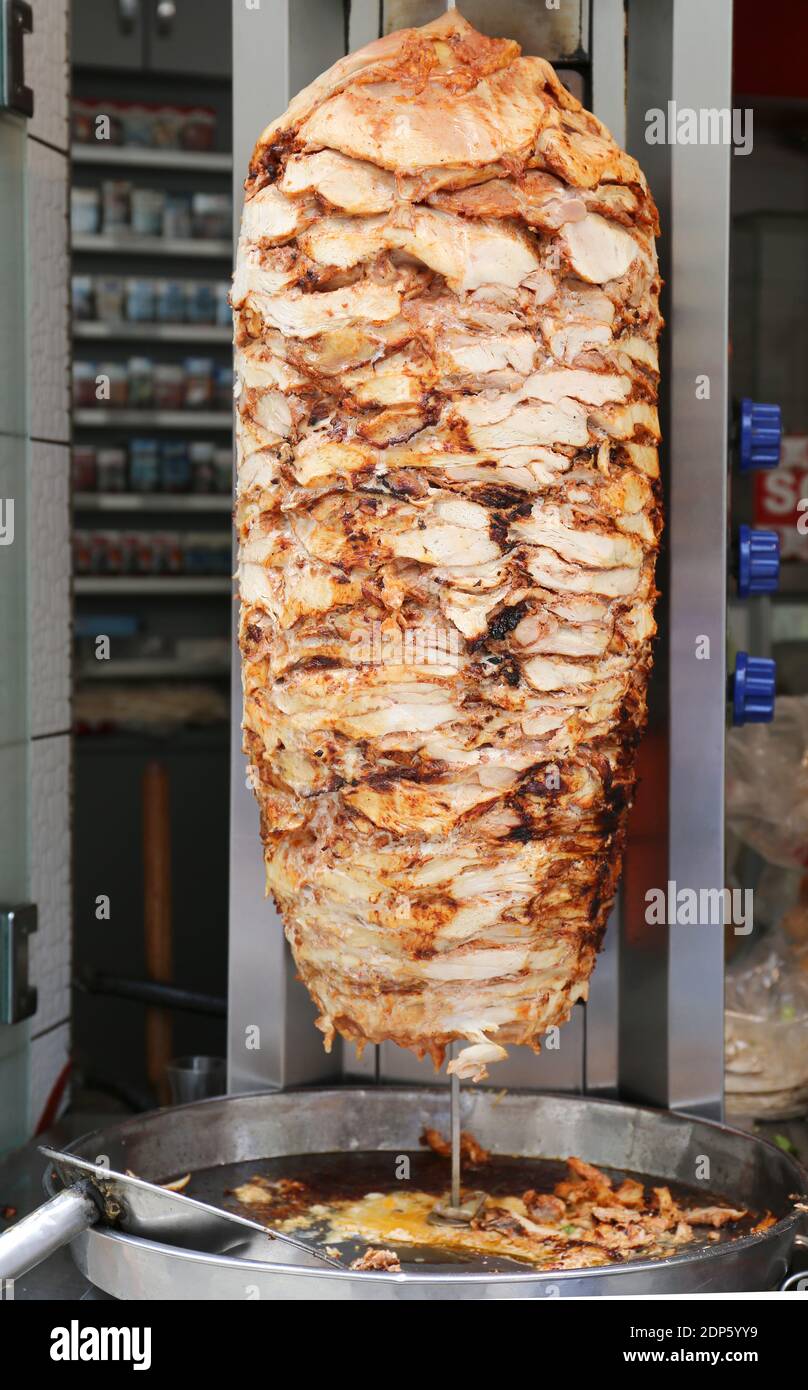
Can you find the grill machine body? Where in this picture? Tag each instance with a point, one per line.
(652, 1030)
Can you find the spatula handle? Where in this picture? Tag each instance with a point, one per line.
(46, 1230)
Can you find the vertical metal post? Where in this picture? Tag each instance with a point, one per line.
(600, 1035)
(609, 66)
(277, 49)
(671, 1015)
(455, 1138)
(700, 186)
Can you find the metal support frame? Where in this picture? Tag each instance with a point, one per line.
(653, 1027)
(277, 49)
(670, 1018)
(16, 20)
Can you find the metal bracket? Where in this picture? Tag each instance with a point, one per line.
(18, 998)
(17, 21)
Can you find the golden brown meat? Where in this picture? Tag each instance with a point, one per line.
(446, 319)
(385, 1260)
(471, 1152)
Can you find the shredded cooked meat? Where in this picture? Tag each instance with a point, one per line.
(446, 317)
(472, 1153)
(543, 1206)
(712, 1216)
(378, 1259)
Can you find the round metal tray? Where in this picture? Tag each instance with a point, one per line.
(249, 1128)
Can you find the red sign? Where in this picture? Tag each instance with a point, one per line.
(781, 498)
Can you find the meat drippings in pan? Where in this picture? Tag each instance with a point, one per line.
(544, 1213)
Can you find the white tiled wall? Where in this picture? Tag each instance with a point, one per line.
(49, 597)
(49, 286)
(50, 878)
(46, 58)
(49, 1054)
(49, 588)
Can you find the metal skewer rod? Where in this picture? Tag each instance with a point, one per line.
(455, 1127)
(451, 1210)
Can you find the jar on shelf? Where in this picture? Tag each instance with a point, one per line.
(109, 298)
(140, 298)
(169, 386)
(223, 469)
(144, 465)
(175, 466)
(223, 386)
(84, 473)
(177, 216)
(202, 454)
(200, 301)
(137, 119)
(116, 392)
(198, 383)
(170, 301)
(84, 384)
(111, 469)
(197, 128)
(82, 297)
(85, 211)
(140, 371)
(147, 209)
(211, 215)
(115, 202)
(224, 313)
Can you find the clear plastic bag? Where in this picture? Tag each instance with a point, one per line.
(767, 784)
(766, 1031)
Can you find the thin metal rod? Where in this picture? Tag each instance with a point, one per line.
(455, 1125)
(150, 992)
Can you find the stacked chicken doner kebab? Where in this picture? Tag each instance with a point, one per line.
(446, 321)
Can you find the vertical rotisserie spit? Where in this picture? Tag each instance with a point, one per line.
(446, 321)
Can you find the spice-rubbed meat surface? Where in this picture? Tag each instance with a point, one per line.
(446, 320)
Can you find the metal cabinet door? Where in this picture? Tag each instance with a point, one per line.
(188, 36)
(108, 33)
(15, 745)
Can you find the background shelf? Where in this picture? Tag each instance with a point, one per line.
(150, 668)
(123, 331)
(145, 703)
(135, 157)
(198, 585)
(99, 418)
(152, 501)
(128, 244)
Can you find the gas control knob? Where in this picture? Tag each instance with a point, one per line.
(761, 434)
(758, 561)
(753, 690)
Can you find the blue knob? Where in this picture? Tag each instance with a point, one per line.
(758, 561)
(753, 690)
(761, 435)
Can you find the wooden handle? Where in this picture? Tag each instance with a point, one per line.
(157, 919)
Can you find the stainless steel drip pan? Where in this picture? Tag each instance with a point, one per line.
(240, 1130)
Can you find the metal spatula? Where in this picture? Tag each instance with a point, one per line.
(96, 1195)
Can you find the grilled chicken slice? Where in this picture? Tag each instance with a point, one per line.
(446, 313)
